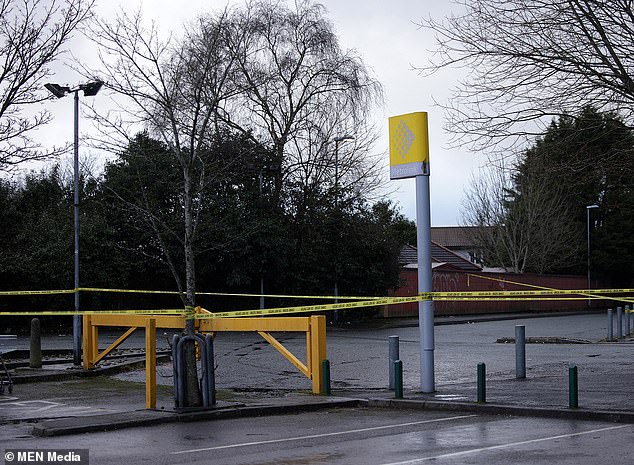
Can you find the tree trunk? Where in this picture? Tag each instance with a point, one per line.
(192, 389)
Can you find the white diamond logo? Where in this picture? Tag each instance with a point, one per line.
(404, 138)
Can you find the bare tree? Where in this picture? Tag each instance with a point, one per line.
(32, 36)
(532, 60)
(172, 89)
(520, 227)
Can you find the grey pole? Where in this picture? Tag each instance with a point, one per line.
(619, 322)
(520, 351)
(76, 318)
(261, 272)
(393, 357)
(35, 354)
(610, 325)
(627, 320)
(425, 307)
(89, 89)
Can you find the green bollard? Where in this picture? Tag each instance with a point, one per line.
(325, 385)
(482, 383)
(398, 379)
(573, 387)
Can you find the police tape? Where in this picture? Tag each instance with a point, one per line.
(361, 302)
(178, 311)
(50, 292)
(445, 295)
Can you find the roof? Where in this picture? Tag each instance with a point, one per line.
(439, 254)
(453, 236)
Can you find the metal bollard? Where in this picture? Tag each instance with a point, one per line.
(325, 386)
(573, 387)
(482, 383)
(619, 323)
(35, 356)
(610, 325)
(627, 321)
(520, 351)
(393, 357)
(398, 379)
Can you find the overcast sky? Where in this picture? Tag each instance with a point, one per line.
(386, 36)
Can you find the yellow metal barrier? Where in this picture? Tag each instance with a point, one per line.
(313, 326)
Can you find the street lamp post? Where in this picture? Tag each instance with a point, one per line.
(338, 140)
(89, 89)
(588, 208)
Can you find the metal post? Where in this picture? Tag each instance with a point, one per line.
(610, 325)
(573, 387)
(325, 387)
(76, 318)
(619, 323)
(482, 383)
(627, 321)
(261, 271)
(520, 351)
(35, 354)
(398, 379)
(425, 307)
(393, 356)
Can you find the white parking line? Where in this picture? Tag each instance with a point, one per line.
(323, 435)
(503, 446)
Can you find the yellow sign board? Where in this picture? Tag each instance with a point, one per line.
(409, 145)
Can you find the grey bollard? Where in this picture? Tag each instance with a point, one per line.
(610, 333)
(619, 323)
(35, 357)
(393, 357)
(520, 351)
(627, 321)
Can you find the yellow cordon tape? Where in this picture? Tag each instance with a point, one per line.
(95, 312)
(360, 302)
(51, 292)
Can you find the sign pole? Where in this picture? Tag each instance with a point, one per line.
(425, 307)
(409, 158)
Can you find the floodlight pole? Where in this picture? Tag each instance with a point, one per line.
(425, 307)
(77, 321)
(90, 89)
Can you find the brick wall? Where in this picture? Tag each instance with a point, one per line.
(452, 281)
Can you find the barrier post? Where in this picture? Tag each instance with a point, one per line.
(398, 379)
(325, 367)
(610, 325)
(627, 321)
(150, 363)
(520, 351)
(90, 342)
(482, 389)
(619, 323)
(573, 387)
(393, 357)
(317, 350)
(35, 352)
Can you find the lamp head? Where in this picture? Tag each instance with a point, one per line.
(91, 88)
(57, 90)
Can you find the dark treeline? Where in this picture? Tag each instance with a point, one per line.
(252, 226)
